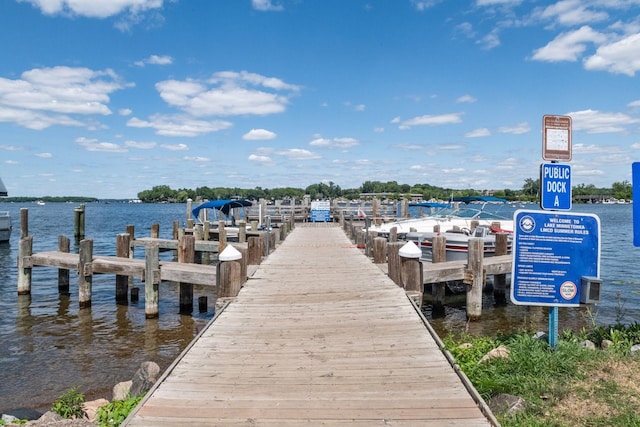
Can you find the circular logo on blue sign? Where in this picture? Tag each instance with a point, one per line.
(527, 224)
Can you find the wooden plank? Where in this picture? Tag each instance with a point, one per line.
(317, 336)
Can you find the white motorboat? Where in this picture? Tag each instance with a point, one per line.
(463, 213)
(457, 242)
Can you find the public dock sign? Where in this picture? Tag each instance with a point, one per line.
(552, 251)
(321, 211)
(555, 181)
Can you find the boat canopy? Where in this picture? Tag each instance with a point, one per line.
(430, 205)
(222, 205)
(3, 189)
(470, 199)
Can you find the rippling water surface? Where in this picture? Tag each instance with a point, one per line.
(48, 345)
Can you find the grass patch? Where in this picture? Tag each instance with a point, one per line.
(568, 386)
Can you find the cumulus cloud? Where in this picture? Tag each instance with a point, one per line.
(299, 154)
(44, 155)
(258, 158)
(140, 145)
(228, 93)
(593, 121)
(43, 97)
(93, 8)
(467, 99)
(335, 142)
(621, 57)
(258, 135)
(568, 46)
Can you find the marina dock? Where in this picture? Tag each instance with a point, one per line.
(318, 335)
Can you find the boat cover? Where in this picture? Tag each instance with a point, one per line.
(469, 199)
(223, 205)
(3, 189)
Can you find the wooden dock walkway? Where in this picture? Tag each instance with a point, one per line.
(319, 335)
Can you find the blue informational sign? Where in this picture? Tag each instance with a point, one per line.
(320, 211)
(551, 253)
(555, 180)
(635, 185)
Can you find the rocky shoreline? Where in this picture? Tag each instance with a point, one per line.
(142, 381)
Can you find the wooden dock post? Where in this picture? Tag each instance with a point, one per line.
(186, 253)
(176, 229)
(379, 250)
(64, 245)
(393, 261)
(411, 269)
(155, 231)
(242, 231)
(438, 290)
(151, 281)
(244, 251)
(476, 279)
(131, 232)
(79, 222)
(222, 237)
(500, 280)
(24, 265)
(24, 222)
(123, 247)
(228, 280)
(254, 251)
(85, 273)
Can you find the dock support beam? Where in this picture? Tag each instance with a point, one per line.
(85, 273)
(476, 279)
(123, 247)
(64, 245)
(151, 281)
(438, 290)
(186, 254)
(78, 222)
(500, 280)
(24, 265)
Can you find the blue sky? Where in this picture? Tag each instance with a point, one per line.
(107, 98)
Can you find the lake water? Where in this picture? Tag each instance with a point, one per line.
(48, 345)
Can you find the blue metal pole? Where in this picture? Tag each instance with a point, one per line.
(553, 327)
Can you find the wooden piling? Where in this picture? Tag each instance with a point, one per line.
(64, 245)
(475, 278)
(155, 231)
(123, 247)
(379, 250)
(186, 253)
(25, 251)
(85, 273)
(500, 280)
(438, 290)
(393, 262)
(228, 278)
(24, 222)
(222, 237)
(254, 256)
(151, 281)
(203, 304)
(79, 222)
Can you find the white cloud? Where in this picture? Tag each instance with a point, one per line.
(518, 129)
(266, 5)
(44, 155)
(43, 97)
(198, 159)
(91, 144)
(258, 135)
(428, 120)
(155, 60)
(335, 142)
(593, 121)
(572, 12)
(299, 154)
(176, 125)
(568, 46)
(259, 158)
(175, 147)
(140, 145)
(476, 133)
(93, 8)
(622, 56)
(634, 104)
(125, 111)
(468, 99)
(228, 93)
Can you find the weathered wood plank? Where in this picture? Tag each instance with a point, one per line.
(317, 336)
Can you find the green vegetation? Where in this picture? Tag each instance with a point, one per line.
(69, 405)
(529, 192)
(568, 386)
(114, 413)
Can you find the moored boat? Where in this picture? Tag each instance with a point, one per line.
(457, 242)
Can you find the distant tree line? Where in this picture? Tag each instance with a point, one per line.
(530, 191)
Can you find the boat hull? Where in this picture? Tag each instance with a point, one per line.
(5, 226)
(456, 244)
